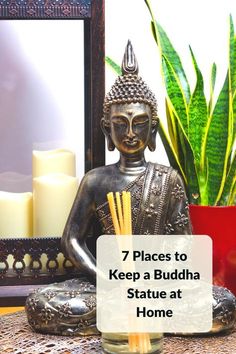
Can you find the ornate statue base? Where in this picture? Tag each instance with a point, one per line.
(69, 308)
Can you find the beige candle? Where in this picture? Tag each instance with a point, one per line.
(53, 196)
(53, 161)
(16, 218)
(16, 215)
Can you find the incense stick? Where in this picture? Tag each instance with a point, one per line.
(111, 202)
(138, 342)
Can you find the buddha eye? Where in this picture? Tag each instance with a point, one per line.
(119, 121)
(141, 120)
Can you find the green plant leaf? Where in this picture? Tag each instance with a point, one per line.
(173, 57)
(170, 151)
(217, 143)
(229, 183)
(175, 133)
(232, 57)
(175, 93)
(203, 168)
(212, 87)
(171, 125)
(232, 198)
(178, 106)
(234, 118)
(113, 65)
(197, 115)
(166, 48)
(232, 82)
(186, 158)
(190, 170)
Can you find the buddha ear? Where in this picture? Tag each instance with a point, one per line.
(107, 132)
(152, 139)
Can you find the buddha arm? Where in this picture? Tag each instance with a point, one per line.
(77, 228)
(178, 220)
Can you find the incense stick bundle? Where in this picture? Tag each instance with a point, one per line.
(122, 220)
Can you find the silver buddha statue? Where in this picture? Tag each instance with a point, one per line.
(159, 206)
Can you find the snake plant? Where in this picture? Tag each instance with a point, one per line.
(200, 141)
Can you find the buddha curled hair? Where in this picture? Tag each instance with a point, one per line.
(130, 88)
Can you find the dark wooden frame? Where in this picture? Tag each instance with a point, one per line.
(15, 285)
(92, 13)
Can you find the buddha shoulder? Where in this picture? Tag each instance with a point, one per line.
(163, 170)
(98, 176)
(172, 176)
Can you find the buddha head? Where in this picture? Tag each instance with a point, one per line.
(130, 110)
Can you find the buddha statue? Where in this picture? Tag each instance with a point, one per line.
(159, 206)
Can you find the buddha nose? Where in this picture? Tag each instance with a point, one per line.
(130, 134)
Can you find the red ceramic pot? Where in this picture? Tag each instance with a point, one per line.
(219, 222)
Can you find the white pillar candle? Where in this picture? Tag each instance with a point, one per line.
(53, 161)
(16, 218)
(53, 196)
(16, 215)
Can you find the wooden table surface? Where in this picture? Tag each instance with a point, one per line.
(17, 337)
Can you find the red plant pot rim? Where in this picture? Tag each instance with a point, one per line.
(212, 206)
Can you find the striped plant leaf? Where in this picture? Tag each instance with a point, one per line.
(189, 167)
(171, 126)
(113, 65)
(203, 159)
(175, 93)
(229, 183)
(166, 48)
(180, 136)
(175, 133)
(234, 118)
(212, 87)
(197, 113)
(217, 143)
(232, 83)
(173, 57)
(232, 130)
(178, 107)
(227, 144)
(170, 151)
(232, 80)
(203, 168)
(232, 57)
(186, 157)
(232, 198)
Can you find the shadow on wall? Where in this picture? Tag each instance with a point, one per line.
(28, 112)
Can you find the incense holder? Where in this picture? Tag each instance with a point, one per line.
(118, 343)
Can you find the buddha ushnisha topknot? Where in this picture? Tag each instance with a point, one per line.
(130, 88)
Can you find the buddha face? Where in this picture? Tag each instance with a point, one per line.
(130, 127)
